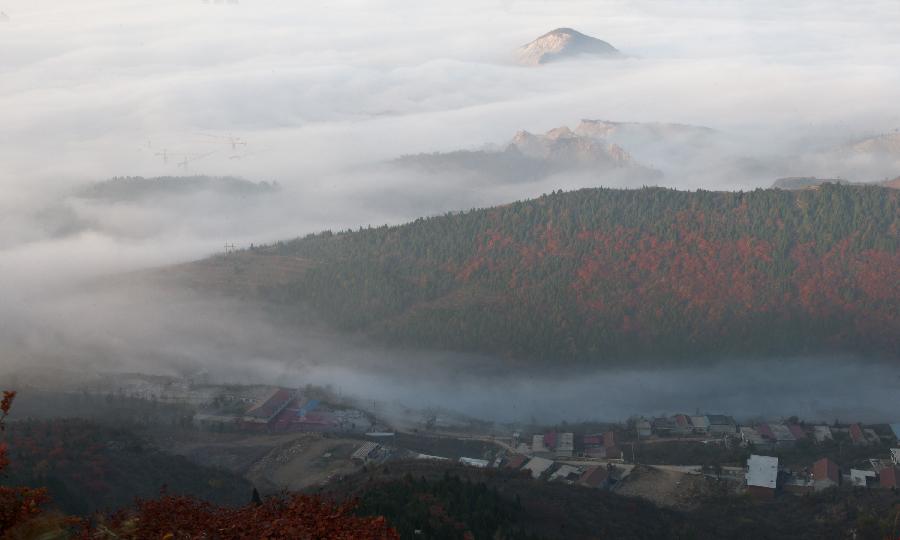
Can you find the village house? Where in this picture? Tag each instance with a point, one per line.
(550, 440)
(857, 436)
(683, 425)
(593, 445)
(762, 476)
(797, 431)
(890, 477)
(719, 424)
(751, 437)
(663, 426)
(700, 424)
(825, 474)
(781, 435)
(566, 473)
(601, 446)
(515, 461)
(871, 436)
(643, 428)
(565, 445)
(595, 477)
(878, 464)
(537, 466)
(537, 444)
(863, 477)
(268, 408)
(609, 439)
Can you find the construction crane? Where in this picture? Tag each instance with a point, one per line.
(230, 139)
(188, 159)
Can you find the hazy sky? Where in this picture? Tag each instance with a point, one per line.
(322, 92)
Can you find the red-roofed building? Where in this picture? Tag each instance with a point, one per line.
(516, 461)
(890, 477)
(268, 408)
(594, 477)
(825, 474)
(765, 431)
(550, 440)
(797, 431)
(857, 435)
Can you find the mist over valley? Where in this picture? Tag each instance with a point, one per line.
(503, 269)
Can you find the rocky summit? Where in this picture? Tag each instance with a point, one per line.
(560, 44)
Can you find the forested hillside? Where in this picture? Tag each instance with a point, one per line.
(88, 468)
(599, 274)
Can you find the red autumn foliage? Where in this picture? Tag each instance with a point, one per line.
(17, 504)
(287, 517)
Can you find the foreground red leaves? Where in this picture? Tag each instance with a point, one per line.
(289, 517)
(296, 516)
(17, 504)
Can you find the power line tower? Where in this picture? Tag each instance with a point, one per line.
(229, 248)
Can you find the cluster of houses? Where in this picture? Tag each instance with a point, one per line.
(593, 476)
(280, 409)
(760, 436)
(608, 444)
(765, 476)
(538, 467)
(550, 444)
(558, 445)
(683, 425)
(767, 436)
(244, 407)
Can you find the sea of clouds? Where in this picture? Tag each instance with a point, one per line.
(325, 93)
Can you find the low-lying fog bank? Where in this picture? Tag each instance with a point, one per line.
(815, 389)
(185, 333)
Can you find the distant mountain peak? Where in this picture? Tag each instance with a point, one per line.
(562, 145)
(562, 43)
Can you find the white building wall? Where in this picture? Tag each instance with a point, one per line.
(762, 471)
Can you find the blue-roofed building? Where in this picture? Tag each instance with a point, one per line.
(308, 407)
